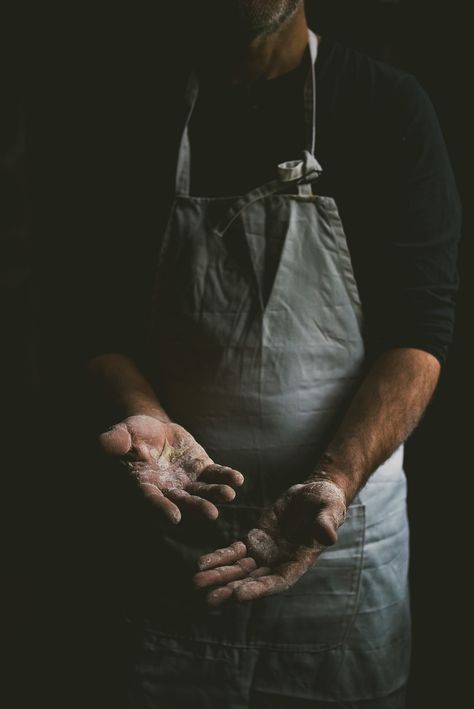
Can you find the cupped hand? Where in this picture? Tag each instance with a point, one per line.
(274, 555)
(172, 470)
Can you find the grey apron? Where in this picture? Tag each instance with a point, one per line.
(256, 348)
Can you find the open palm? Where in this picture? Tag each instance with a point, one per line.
(288, 540)
(172, 470)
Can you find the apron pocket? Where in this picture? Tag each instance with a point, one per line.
(317, 613)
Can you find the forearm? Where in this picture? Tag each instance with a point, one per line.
(121, 389)
(386, 408)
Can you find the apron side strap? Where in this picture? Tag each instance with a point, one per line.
(240, 204)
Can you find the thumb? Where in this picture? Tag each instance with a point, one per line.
(116, 441)
(326, 524)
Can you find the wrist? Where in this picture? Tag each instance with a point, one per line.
(147, 409)
(123, 388)
(346, 478)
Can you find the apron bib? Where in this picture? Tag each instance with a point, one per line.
(256, 348)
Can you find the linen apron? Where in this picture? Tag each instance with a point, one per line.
(256, 348)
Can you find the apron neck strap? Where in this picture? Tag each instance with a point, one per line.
(310, 93)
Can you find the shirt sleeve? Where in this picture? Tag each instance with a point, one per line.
(421, 212)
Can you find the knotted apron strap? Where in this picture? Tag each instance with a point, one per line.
(301, 172)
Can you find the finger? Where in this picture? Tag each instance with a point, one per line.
(166, 507)
(224, 574)
(221, 474)
(259, 571)
(325, 527)
(221, 557)
(224, 593)
(217, 493)
(192, 502)
(218, 596)
(116, 441)
(278, 580)
(258, 588)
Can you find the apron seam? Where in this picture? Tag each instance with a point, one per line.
(358, 580)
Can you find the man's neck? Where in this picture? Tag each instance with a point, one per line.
(265, 58)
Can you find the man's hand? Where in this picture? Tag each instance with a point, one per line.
(172, 470)
(289, 539)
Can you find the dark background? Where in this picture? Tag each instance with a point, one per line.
(75, 86)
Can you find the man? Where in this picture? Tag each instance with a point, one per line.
(310, 181)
